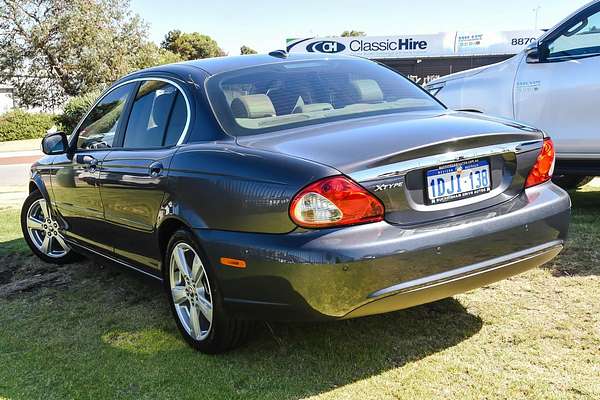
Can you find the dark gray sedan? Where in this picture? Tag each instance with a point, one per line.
(295, 187)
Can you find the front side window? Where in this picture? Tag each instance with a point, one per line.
(290, 94)
(100, 126)
(157, 118)
(580, 40)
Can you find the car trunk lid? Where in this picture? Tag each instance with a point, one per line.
(391, 156)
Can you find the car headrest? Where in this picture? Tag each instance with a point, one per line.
(368, 90)
(252, 106)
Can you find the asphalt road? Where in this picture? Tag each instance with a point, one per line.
(14, 175)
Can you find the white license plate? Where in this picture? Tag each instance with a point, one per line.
(457, 181)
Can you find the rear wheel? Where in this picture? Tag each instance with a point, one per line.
(195, 298)
(570, 182)
(42, 231)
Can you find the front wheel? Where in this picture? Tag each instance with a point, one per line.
(42, 231)
(195, 298)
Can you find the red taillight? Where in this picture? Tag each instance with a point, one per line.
(334, 201)
(544, 165)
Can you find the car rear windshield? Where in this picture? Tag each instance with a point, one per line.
(292, 94)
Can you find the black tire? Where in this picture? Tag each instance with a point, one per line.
(68, 257)
(224, 333)
(571, 182)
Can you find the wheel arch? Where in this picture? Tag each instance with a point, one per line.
(166, 229)
(36, 183)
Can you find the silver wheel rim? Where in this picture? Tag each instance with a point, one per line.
(191, 292)
(44, 231)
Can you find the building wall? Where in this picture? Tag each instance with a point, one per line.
(423, 70)
(6, 100)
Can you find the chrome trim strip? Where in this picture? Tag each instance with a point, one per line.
(146, 78)
(469, 270)
(403, 167)
(76, 244)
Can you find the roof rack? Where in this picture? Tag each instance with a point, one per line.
(279, 54)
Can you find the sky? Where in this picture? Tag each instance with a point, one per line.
(265, 25)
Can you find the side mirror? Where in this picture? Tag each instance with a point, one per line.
(536, 53)
(55, 143)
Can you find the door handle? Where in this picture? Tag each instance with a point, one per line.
(156, 169)
(87, 161)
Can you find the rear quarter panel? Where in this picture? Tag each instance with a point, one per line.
(223, 186)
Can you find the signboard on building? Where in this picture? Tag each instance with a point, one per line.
(419, 46)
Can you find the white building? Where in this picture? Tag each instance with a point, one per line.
(6, 98)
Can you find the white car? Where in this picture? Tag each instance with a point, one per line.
(553, 84)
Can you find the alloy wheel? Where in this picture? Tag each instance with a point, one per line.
(190, 290)
(44, 230)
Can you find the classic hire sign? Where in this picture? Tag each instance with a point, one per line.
(410, 46)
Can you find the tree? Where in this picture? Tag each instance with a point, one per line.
(53, 49)
(191, 46)
(247, 50)
(352, 33)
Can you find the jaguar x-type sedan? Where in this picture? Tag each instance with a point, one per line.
(293, 187)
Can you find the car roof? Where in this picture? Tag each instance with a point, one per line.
(217, 65)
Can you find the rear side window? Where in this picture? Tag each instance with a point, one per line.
(158, 116)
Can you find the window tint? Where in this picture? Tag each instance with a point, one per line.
(284, 95)
(98, 129)
(156, 116)
(581, 39)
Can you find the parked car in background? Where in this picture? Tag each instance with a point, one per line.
(554, 85)
(307, 187)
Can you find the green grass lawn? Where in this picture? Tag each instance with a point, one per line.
(108, 334)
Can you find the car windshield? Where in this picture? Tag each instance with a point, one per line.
(290, 94)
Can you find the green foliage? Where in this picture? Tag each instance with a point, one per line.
(75, 109)
(54, 49)
(247, 50)
(18, 124)
(191, 46)
(352, 33)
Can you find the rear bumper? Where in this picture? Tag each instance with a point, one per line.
(376, 268)
(460, 280)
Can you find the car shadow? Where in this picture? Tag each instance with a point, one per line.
(581, 256)
(126, 341)
(286, 360)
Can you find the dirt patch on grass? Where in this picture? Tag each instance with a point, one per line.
(26, 274)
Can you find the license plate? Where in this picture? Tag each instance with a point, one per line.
(457, 181)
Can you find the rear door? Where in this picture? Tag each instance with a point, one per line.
(75, 175)
(133, 177)
(560, 95)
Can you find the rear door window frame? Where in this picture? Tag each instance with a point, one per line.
(120, 138)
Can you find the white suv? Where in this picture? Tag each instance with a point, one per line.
(553, 84)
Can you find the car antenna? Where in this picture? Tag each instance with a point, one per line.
(279, 53)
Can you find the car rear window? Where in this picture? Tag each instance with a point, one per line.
(290, 94)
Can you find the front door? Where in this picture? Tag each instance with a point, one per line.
(76, 195)
(561, 94)
(133, 177)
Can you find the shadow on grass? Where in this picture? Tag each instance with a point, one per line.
(15, 246)
(110, 334)
(581, 255)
